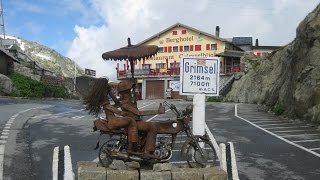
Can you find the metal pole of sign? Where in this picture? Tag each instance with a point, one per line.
(75, 78)
(198, 120)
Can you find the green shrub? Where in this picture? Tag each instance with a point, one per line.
(278, 109)
(27, 87)
(214, 99)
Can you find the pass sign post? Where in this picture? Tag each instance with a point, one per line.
(199, 76)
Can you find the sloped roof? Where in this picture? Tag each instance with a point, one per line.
(242, 41)
(266, 47)
(231, 53)
(184, 26)
(8, 54)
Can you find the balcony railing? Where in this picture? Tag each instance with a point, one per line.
(149, 72)
(167, 72)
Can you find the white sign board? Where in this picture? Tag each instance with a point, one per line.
(199, 75)
(174, 85)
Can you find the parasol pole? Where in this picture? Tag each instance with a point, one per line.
(132, 74)
(133, 81)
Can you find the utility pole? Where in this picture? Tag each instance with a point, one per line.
(2, 23)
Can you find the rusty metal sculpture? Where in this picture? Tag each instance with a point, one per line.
(197, 149)
(96, 99)
(131, 53)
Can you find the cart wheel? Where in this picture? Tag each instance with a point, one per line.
(105, 157)
(206, 157)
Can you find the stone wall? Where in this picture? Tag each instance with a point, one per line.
(22, 69)
(131, 171)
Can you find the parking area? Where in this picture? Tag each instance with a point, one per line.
(298, 133)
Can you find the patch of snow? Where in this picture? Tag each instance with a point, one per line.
(43, 56)
(19, 41)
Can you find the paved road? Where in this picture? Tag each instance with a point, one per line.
(267, 147)
(262, 141)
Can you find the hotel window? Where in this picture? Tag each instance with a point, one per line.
(197, 47)
(185, 48)
(169, 49)
(184, 31)
(191, 47)
(181, 48)
(174, 33)
(175, 49)
(211, 46)
(161, 65)
(214, 46)
(160, 50)
(146, 66)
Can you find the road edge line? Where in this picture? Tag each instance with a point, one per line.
(213, 140)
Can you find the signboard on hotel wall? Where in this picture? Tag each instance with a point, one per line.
(174, 85)
(199, 75)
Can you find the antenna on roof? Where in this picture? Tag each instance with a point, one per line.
(2, 23)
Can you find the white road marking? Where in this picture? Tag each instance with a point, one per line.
(4, 133)
(312, 149)
(156, 116)
(271, 133)
(264, 119)
(3, 137)
(68, 172)
(44, 115)
(77, 117)
(146, 105)
(55, 162)
(298, 130)
(7, 130)
(286, 127)
(1, 166)
(212, 139)
(261, 122)
(292, 135)
(307, 140)
(277, 124)
(2, 149)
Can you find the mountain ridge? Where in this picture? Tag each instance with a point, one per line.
(48, 58)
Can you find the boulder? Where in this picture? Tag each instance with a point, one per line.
(6, 85)
(289, 77)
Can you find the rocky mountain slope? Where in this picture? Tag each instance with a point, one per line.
(288, 78)
(48, 58)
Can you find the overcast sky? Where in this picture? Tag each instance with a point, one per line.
(83, 29)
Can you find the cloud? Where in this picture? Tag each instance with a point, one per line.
(273, 22)
(27, 7)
